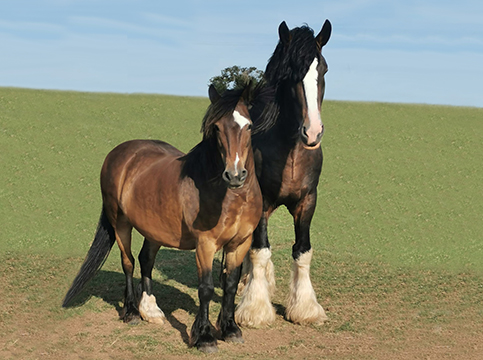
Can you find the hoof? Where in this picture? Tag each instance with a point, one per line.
(156, 320)
(311, 313)
(132, 319)
(234, 338)
(150, 311)
(230, 332)
(255, 316)
(207, 348)
(203, 339)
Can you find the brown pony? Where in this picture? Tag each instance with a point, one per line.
(208, 199)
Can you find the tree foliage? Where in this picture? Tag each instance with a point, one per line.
(236, 77)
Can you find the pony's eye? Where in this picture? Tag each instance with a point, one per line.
(217, 129)
(249, 127)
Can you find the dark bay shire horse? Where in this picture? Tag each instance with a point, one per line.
(288, 161)
(208, 200)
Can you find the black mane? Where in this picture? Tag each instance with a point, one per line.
(292, 62)
(287, 66)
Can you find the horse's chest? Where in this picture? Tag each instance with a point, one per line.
(238, 220)
(236, 217)
(299, 175)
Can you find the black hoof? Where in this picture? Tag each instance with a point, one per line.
(230, 332)
(131, 317)
(205, 343)
(234, 338)
(132, 320)
(208, 348)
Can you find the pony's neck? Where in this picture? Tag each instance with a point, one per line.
(203, 163)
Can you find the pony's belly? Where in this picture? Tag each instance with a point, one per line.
(165, 236)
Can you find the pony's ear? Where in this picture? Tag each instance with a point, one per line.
(213, 94)
(324, 35)
(284, 33)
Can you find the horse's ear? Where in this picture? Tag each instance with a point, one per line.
(324, 35)
(284, 33)
(213, 94)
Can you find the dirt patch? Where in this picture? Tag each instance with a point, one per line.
(100, 335)
(440, 318)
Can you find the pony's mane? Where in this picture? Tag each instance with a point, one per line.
(224, 106)
(292, 62)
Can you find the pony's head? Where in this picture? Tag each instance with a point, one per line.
(228, 121)
(296, 69)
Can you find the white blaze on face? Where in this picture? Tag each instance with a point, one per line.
(240, 119)
(312, 94)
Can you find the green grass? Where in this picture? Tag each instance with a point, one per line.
(397, 232)
(400, 184)
(52, 148)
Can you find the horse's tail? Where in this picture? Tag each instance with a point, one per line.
(95, 258)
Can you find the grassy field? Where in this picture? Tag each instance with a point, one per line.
(398, 233)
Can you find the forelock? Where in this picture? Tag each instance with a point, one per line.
(294, 62)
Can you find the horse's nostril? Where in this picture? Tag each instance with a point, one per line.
(243, 174)
(227, 176)
(304, 131)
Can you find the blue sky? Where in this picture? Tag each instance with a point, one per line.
(391, 51)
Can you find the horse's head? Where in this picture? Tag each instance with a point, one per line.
(298, 67)
(232, 129)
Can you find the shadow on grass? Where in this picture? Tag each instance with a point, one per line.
(180, 266)
(174, 264)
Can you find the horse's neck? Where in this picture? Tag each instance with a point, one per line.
(202, 163)
(287, 126)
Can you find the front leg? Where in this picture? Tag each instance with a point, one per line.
(302, 305)
(255, 308)
(201, 334)
(234, 255)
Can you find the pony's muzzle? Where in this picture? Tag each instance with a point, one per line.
(235, 179)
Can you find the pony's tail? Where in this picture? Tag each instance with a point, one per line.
(95, 258)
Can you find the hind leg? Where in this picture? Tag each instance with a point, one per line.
(130, 313)
(255, 308)
(302, 305)
(148, 308)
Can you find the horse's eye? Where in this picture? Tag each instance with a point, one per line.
(217, 129)
(249, 127)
